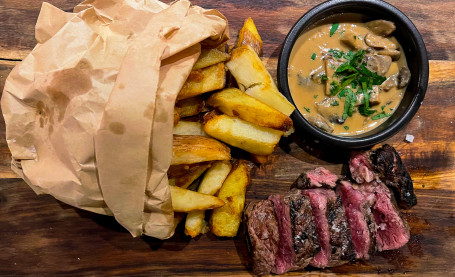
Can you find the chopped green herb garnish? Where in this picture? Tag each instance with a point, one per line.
(391, 109)
(313, 56)
(336, 53)
(355, 37)
(324, 78)
(315, 96)
(382, 107)
(334, 103)
(349, 103)
(380, 115)
(334, 28)
(346, 127)
(332, 66)
(307, 109)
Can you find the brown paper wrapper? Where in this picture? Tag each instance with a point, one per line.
(89, 112)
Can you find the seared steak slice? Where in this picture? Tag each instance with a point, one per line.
(306, 243)
(362, 171)
(332, 228)
(263, 235)
(361, 221)
(285, 256)
(393, 173)
(320, 177)
(393, 231)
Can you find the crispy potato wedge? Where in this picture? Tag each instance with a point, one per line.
(189, 128)
(184, 175)
(184, 200)
(242, 134)
(203, 80)
(190, 106)
(249, 35)
(225, 221)
(234, 102)
(210, 57)
(197, 149)
(253, 78)
(211, 182)
(176, 117)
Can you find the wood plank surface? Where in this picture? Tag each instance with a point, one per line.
(42, 236)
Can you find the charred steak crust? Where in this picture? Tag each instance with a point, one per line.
(392, 172)
(262, 235)
(304, 233)
(340, 234)
(319, 177)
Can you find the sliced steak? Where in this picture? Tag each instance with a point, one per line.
(320, 177)
(332, 228)
(361, 221)
(393, 231)
(392, 172)
(285, 256)
(305, 236)
(263, 235)
(361, 168)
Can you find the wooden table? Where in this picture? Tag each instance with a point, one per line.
(40, 235)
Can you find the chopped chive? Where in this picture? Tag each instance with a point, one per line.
(346, 127)
(380, 115)
(315, 96)
(307, 109)
(313, 56)
(324, 78)
(334, 28)
(382, 107)
(355, 37)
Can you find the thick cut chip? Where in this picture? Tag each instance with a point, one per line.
(184, 200)
(249, 35)
(242, 134)
(197, 149)
(234, 102)
(253, 78)
(183, 175)
(190, 106)
(189, 128)
(225, 221)
(211, 182)
(210, 57)
(203, 80)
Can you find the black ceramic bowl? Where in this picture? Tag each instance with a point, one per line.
(412, 45)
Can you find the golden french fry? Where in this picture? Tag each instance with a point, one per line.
(225, 221)
(234, 102)
(190, 106)
(210, 57)
(253, 78)
(184, 200)
(189, 128)
(239, 133)
(249, 35)
(203, 80)
(184, 175)
(197, 149)
(210, 184)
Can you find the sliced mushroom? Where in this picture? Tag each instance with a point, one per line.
(404, 75)
(381, 27)
(329, 112)
(378, 63)
(330, 65)
(316, 75)
(320, 122)
(390, 83)
(394, 54)
(352, 40)
(379, 42)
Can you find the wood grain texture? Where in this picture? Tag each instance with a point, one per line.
(42, 236)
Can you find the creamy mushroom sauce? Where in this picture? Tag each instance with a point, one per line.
(312, 96)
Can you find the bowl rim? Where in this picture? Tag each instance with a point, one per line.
(399, 123)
